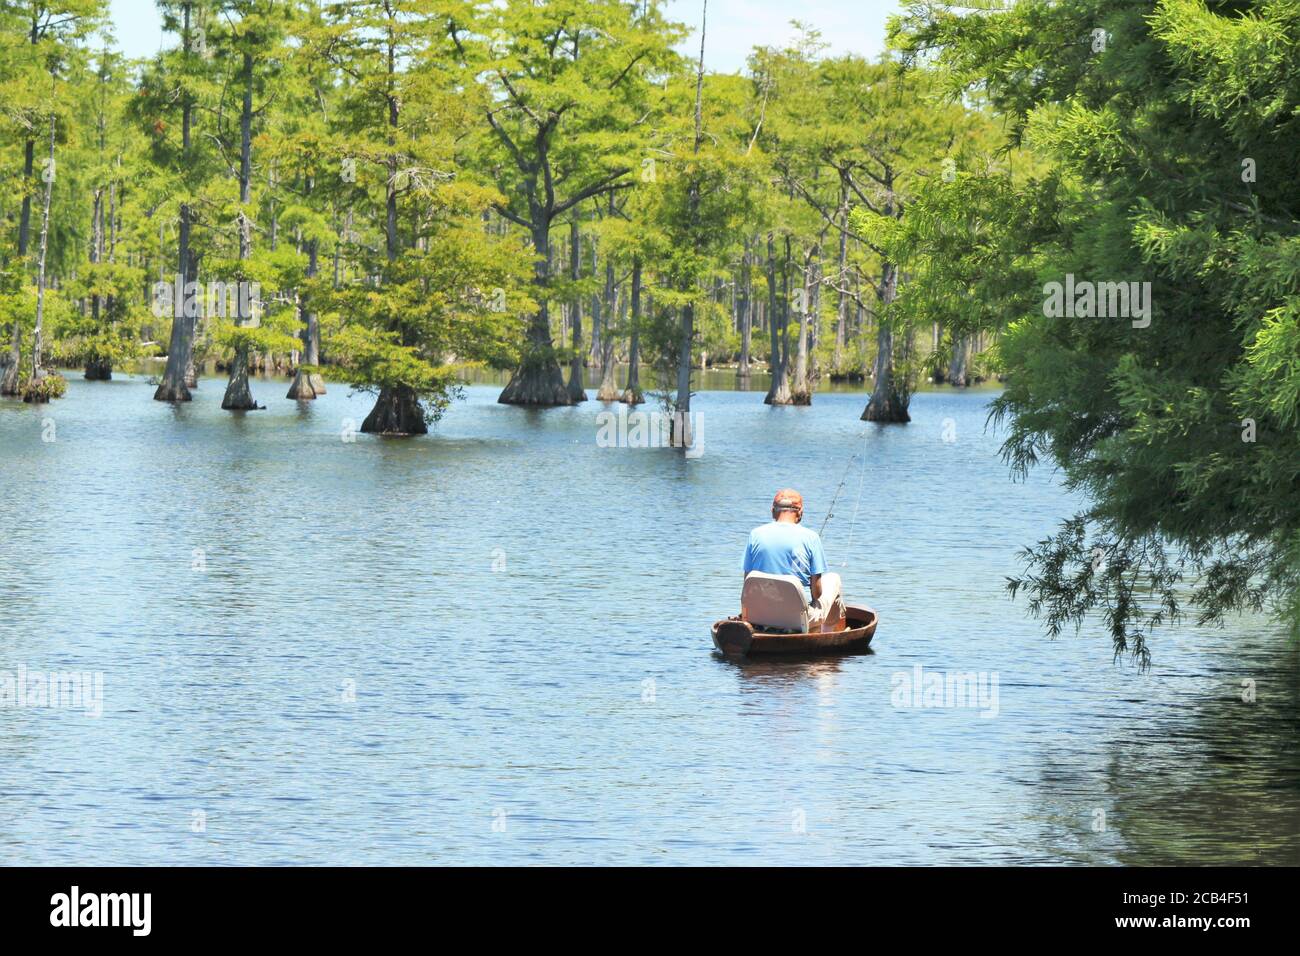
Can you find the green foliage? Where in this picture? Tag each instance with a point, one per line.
(695, 207)
(375, 359)
(251, 307)
(49, 387)
(114, 337)
(434, 313)
(971, 245)
(1169, 152)
(17, 299)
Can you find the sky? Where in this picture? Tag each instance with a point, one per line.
(734, 27)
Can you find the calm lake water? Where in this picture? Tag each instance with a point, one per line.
(491, 646)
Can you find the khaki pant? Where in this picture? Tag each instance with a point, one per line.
(827, 613)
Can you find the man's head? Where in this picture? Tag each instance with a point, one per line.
(787, 506)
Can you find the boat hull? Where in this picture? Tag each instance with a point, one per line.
(737, 638)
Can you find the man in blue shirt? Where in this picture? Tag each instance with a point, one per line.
(786, 547)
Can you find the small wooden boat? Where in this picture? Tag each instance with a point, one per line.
(737, 638)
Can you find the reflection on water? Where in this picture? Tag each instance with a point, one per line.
(788, 668)
(1238, 802)
(492, 646)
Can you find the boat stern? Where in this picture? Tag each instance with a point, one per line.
(733, 637)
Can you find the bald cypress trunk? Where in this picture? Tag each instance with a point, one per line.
(683, 436)
(576, 391)
(608, 388)
(841, 280)
(239, 396)
(38, 372)
(94, 368)
(538, 380)
(13, 364)
(745, 306)
(888, 403)
(632, 393)
(397, 411)
(599, 308)
(178, 376)
(800, 394)
(801, 391)
(889, 397)
(33, 391)
(99, 369)
(957, 368)
(778, 392)
(307, 381)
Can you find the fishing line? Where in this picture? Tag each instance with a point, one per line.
(862, 480)
(830, 512)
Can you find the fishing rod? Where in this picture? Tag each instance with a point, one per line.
(830, 512)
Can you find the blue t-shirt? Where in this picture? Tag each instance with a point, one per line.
(782, 547)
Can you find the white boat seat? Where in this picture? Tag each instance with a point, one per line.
(776, 601)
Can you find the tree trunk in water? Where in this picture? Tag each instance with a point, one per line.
(13, 367)
(960, 359)
(608, 391)
(538, 380)
(681, 430)
(38, 372)
(814, 319)
(746, 303)
(599, 309)
(306, 386)
(239, 397)
(175, 385)
(842, 306)
(936, 338)
(778, 392)
(397, 412)
(179, 376)
(13, 363)
(191, 372)
(632, 394)
(887, 403)
(308, 383)
(100, 370)
(97, 240)
(576, 392)
(800, 394)
(608, 387)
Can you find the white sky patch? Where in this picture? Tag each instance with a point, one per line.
(138, 26)
(735, 26)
